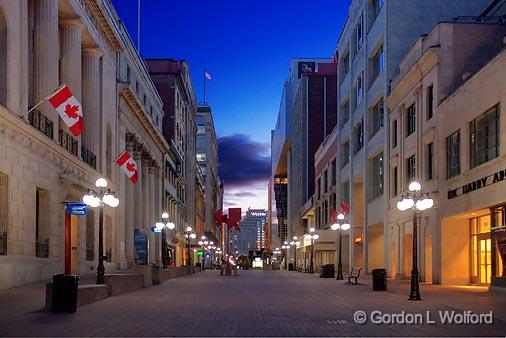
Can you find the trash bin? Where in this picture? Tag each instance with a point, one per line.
(290, 266)
(64, 293)
(323, 271)
(327, 271)
(379, 279)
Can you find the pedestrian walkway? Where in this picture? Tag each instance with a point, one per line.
(256, 303)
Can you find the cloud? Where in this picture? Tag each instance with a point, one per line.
(243, 194)
(243, 161)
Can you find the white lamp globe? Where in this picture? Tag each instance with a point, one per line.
(201, 243)
(88, 198)
(415, 186)
(409, 203)
(108, 198)
(429, 202)
(316, 236)
(294, 238)
(211, 243)
(192, 236)
(340, 216)
(345, 226)
(297, 242)
(159, 225)
(292, 242)
(308, 236)
(400, 205)
(115, 202)
(334, 226)
(312, 229)
(165, 215)
(188, 229)
(101, 183)
(170, 225)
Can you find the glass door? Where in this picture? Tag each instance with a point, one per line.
(484, 260)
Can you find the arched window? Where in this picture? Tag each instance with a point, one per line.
(108, 150)
(3, 58)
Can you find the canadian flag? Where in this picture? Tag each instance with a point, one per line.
(127, 163)
(69, 109)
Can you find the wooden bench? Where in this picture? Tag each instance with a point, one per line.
(355, 273)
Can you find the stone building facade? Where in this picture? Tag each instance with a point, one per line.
(44, 44)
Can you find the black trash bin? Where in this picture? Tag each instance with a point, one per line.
(323, 271)
(379, 279)
(327, 271)
(64, 293)
(290, 266)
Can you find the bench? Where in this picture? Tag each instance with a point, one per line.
(355, 273)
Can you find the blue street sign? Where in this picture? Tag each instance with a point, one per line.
(79, 209)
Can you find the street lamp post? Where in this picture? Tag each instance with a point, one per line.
(203, 241)
(105, 196)
(295, 242)
(161, 227)
(285, 247)
(312, 235)
(417, 201)
(189, 235)
(340, 225)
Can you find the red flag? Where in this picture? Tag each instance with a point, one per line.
(219, 217)
(234, 217)
(345, 208)
(69, 109)
(207, 75)
(333, 214)
(127, 163)
(335, 57)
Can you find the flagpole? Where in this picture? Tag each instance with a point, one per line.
(41, 101)
(205, 102)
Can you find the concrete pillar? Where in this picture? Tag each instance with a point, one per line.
(70, 59)
(90, 100)
(129, 202)
(153, 238)
(46, 59)
(137, 210)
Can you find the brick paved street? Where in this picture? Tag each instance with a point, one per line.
(257, 303)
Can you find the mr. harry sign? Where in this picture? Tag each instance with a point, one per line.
(477, 184)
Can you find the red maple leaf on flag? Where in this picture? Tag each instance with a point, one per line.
(130, 166)
(71, 111)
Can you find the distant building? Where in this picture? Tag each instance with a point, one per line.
(251, 236)
(207, 158)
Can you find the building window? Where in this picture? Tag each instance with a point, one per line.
(377, 64)
(344, 66)
(344, 113)
(410, 120)
(453, 155)
(345, 195)
(319, 188)
(430, 101)
(394, 133)
(137, 87)
(484, 133)
(395, 181)
(376, 7)
(359, 31)
(377, 176)
(359, 89)
(345, 153)
(410, 169)
(430, 161)
(128, 74)
(325, 180)
(334, 172)
(359, 137)
(377, 117)
(42, 219)
(3, 213)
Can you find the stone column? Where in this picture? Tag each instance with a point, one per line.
(129, 212)
(137, 210)
(46, 57)
(90, 100)
(153, 238)
(70, 58)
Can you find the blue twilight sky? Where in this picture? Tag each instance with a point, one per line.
(246, 46)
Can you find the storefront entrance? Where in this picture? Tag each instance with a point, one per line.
(481, 269)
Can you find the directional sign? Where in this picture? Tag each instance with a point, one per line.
(76, 208)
